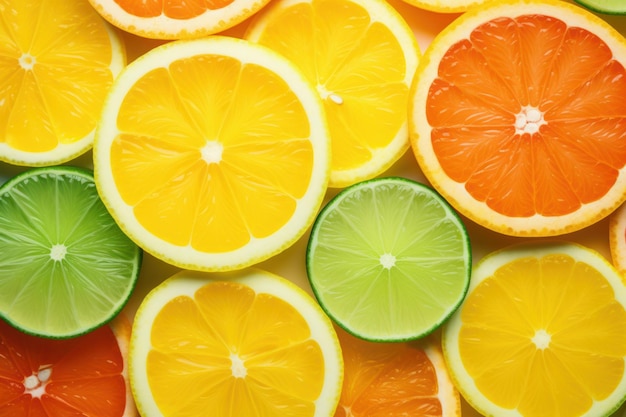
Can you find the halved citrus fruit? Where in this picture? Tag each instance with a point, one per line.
(518, 117)
(446, 6)
(176, 19)
(66, 267)
(361, 55)
(83, 376)
(57, 61)
(237, 344)
(388, 259)
(542, 332)
(212, 154)
(617, 239)
(395, 379)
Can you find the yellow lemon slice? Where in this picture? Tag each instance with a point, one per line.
(241, 344)
(361, 55)
(542, 331)
(212, 154)
(57, 61)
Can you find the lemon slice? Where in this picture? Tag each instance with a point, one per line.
(212, 154)
(240, 344)
(57, 61)
(541, 332)
(361, 55)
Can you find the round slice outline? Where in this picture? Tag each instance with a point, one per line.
(451, 216)
(259, 249)
(185, 283)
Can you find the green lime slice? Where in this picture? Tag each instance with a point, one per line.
(605, 6)
(66, 267)
(388, 259)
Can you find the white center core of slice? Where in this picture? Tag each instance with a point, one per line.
(541, 339)
(387, 260)
(529, 120)
(212, 152)
(27, 61)
(58, 252)
(35, 384)
(237, 366)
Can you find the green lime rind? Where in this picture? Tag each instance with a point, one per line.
(66, 267)
(388, 259)
(617, 7)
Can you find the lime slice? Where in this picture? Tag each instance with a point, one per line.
(388, 259)
(66, 267)
(604, 6)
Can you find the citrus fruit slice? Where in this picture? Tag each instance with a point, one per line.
(200, 341)
(541, 332)
(605, 6)
(617, 239)
(513, 127)
(388, 259)
(361, 55)
(83, 376)
(395, 379)
(66, 267)
(446, 6)
(176, 19)
(57, 61)
(212, 154)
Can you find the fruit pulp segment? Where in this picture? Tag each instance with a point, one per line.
(174, 9)
(61, 377)
(217, 155)
(387, 379)
(340, 48)
(538, 332)
(54, 73)
(384, 249)
(228, 341)
(537, 65)
(55, 274)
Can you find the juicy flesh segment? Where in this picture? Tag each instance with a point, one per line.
(174, 9)
(359, 69)
(61, 378)
(218, 156)
(54, 73)
(231, 342)
(529, 114)
(549, 340)
(387, 379)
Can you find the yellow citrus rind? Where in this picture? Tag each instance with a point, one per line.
(110, 177)
(560, 337)
(185, 287)
(361, 56)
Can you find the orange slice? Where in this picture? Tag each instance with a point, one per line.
(361, 55)
(518, 117)
(446, 6)
(395, 379)
(212, 154)
(85, 376)
(541, 333)
(57, 61)
(176, 19)
(243, 344)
